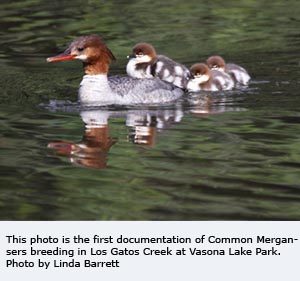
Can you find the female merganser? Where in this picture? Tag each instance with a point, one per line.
(238, 73)
(98, 89)
(145, 63)
(208, 80)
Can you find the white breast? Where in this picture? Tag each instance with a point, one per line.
(193, 86)
(94, 88)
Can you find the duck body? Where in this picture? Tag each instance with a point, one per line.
(238, 73)
(104, 90)
(205, 79)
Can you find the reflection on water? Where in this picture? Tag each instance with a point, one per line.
(143, 124)
(211, 159)
(92, 150)
(233, 155)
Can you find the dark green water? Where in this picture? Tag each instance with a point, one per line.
(233, 156)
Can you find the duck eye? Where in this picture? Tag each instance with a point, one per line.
(140, 53)
(80, 49)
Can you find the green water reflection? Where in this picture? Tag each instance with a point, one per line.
(235, 157)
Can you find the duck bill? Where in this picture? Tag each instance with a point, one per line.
(131, 56)
(61, 57)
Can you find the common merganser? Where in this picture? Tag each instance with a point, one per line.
(98, 89)
(145, 63)
(205, 79)
(238, 73)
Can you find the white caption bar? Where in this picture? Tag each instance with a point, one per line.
(150, 250)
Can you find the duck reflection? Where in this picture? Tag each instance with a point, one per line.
(92, 149)
(144, 125)
(207, 104)
(142, 129)
(200, 105)
(96, 142)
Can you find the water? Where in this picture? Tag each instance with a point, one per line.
(232, 156)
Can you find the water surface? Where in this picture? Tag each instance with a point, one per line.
(233, 155)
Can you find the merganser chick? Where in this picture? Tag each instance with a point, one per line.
(98, 89)
(238, 73)
(205, 79)
(145, 63)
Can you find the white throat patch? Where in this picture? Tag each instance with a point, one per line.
(81, 57)
(201, 79)
(142, 59)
